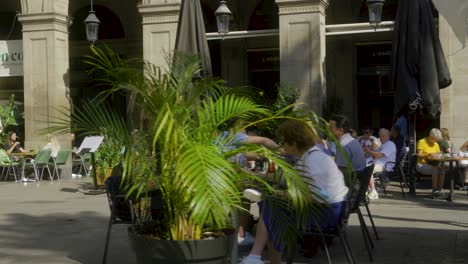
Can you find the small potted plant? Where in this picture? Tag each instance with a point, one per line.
(108, 155)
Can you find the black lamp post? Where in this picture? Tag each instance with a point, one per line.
(92, 26)
(375, 12)
(223, 15)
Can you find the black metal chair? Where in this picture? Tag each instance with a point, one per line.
(382, 179)
(357, 191)
(364, 178)
(120, 207)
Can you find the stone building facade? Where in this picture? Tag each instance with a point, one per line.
(322, 47)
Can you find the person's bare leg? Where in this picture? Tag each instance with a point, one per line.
(435, 181)
(372, 183)
(441, 182)
(275, 256)
(241, 231)
(435, 178)
(242, 224)
(261, 238)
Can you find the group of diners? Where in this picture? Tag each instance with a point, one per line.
(13, 148)
(324, 164)
(437, 144)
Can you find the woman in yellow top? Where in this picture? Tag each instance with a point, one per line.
(427, 147)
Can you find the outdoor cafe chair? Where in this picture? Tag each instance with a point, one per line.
(82, 159)
(41, 160)
(121, 209)
(383, 178)
(364, 178)
(60, 160)
(7, 163)
(357, 192)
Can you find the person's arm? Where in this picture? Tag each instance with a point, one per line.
(251, 155)
(22, 149)
(12, 147)
(420, 154)
(266, 142)
(376, 154)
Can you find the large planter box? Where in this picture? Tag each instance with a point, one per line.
(150, 250)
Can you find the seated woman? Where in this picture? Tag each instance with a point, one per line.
(12, 145)
(427, 147)
(444, 144)
(53, 145)
(315, 166)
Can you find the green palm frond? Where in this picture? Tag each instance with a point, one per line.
(92, 119)
(181, 152)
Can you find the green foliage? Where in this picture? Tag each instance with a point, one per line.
(174, 145)
(287, 95)
(8, 115)
(286, 100)
(109, 153)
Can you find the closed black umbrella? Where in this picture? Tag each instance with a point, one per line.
(191, 34)
(419, 68)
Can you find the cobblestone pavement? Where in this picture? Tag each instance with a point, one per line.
(52, 222)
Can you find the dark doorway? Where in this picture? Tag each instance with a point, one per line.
(375, 95)
(264, 72)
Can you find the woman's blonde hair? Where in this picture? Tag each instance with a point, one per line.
(445, 133)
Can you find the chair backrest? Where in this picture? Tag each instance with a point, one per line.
(43, 156)
(62, 156)
(120, 207)
(360, 187)
(401, 157)
(4, 158)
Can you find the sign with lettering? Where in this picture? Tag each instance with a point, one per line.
(374, 55)
(11, 58)
(264, 59)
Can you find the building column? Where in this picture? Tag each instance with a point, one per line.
(454, 97)
(160, 19)
(302, 49)
(46, 67)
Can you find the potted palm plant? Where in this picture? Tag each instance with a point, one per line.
(174, 148)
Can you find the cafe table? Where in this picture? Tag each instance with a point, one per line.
(454, 162)
(20, 156)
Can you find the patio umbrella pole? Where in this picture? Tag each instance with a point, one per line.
(95, 189)
(412, 149)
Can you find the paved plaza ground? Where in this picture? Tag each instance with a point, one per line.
(52, 222)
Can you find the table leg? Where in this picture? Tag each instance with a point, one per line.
(412, 181)
(234, 249)
(450, 198)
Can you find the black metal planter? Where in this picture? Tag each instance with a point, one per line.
(150, 250)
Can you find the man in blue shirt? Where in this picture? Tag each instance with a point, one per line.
(353, 153)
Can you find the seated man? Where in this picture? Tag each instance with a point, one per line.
(427, 147)
(352, 156)
(316, 167)
(383, 154)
